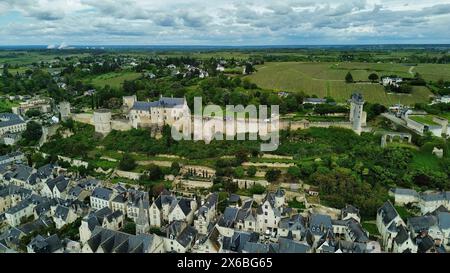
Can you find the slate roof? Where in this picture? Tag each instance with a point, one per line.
(185, 205)
(238, 240)
(424, 244)
(421, 223)
(255, 247)
(102, 193)
(59, 182)
(402, 235)
(165, 198)
(387, 212)
(45, 171)
(46, 245)
(408, 192)
(61, 212)
(444, 220)
(291, 246)
(229, 217)
(22, 172)
(10, 119)
(162, 102)
(357, 231)
(75, 191)
(319, 223)
(10, 155)
(187, 236)
(435, 196)
(295, 222)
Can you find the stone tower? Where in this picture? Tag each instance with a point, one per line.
(102, 121)
(64, 110)
(142, 224)
(357, 116)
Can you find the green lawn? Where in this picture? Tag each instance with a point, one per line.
(114, 79)
(371, 228)
(424, 119)
(297, 205)
(327, 79)
(425, 160)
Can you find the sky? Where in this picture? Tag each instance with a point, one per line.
(223, 22)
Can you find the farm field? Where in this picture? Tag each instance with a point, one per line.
(113, 79)
(327, 79)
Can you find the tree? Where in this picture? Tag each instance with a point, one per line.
(127, 163)
(373, 77)
(257, 189)
(273, 175)
(154, 172)
(175, 168)
(33, 113)
(33, 133)
(157, 189)
(251, 171)
(349, 78)
(241, 156)
(294, 171)
(129, 227)
(239, 172)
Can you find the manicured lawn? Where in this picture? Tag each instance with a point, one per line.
(424, 119)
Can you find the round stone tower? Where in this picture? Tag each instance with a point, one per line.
(102, 121)
(64, 110)
(356, 112)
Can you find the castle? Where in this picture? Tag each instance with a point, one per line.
(156, 113)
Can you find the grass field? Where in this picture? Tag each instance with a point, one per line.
(113, 79)
(424, 119)
(327, 79)
(29, 57)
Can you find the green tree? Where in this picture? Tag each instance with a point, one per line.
(294, 171)
(127, 163)
(251, 171)
(373, 77)
(175, 168)
(33, 113)
(239, 172)
(154, 172)
(257, 189)
(33, 133)
(273, 175)
(349, 78)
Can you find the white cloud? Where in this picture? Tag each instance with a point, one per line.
(224, 22)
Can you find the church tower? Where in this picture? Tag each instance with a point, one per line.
(142, 224)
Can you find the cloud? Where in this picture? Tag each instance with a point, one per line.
(222, 21)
